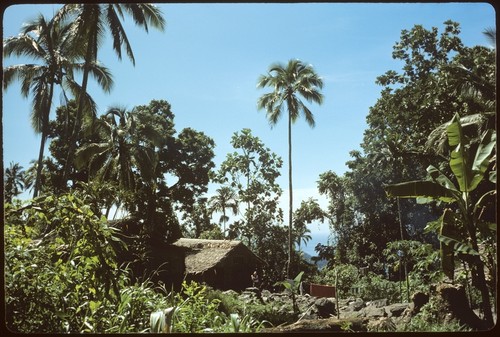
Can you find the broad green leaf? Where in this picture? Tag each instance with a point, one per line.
(433, 226)
(440, 178)
(422, 189)
(482, 158)
(454, 131)
(157, 322)
(298, 278)
(457, 246)
(459, 161)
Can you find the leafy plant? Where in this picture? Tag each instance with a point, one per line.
(162, 320)
(245, 324)
(459, 231)
(293, 287)
(374, 286)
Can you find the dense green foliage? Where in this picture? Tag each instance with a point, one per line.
(430, 136)
(251, 170)
(61, 271)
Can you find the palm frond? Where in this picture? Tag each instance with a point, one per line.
(118, 33)
(308, 115)
(144, 14)
(491, 34)
(102, 75)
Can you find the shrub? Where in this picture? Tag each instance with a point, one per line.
(346, 275)
(195, 311)
(61, 273)
(374, 286)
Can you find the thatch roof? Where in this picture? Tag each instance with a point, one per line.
(202, 255)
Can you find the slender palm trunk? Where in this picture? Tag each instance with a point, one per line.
(45, 126)
(224, 221)
(76, 128)
(39, 165)
(79, 112)
(290, 211)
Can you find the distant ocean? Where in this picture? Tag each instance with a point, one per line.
(318, 237)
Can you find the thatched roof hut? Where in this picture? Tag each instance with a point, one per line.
(222, 264)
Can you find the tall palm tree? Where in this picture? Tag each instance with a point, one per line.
(13, 181)
(288, 83)
(226, 198)
(89, 25)
(46, 42)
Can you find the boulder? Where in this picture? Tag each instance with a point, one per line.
(325, 307)
(383, 324)
(396, 309)
(453, 300)
(356, 305)
(418, 300)
(373, 312)
(377, 303)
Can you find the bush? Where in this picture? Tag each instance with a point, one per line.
(346, 275)
(195, 312)
(374, 286)
(198, 308)
(61, 273)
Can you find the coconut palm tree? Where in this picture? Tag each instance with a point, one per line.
(89, 25)
(288, 83)
(46, 42)
(13, 181)
(111, 158)
(226, 198)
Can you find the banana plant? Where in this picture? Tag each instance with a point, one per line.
(293, 286)
(458, 230)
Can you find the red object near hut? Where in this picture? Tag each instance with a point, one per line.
(320, 290)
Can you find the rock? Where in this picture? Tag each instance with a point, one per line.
(254, 290)
(377, 303)
(356, 305)
(251, 295)
(266, 294)
(453, 301)
(396, 310)
(383, 324)
(322, 325)
(418, 300)
(325, 307)
(373, 312)
(230, 292)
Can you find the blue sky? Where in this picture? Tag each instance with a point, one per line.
(207, 61)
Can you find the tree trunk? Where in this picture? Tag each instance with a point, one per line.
(79, 112)
(45, 125)
(39, 166)
(478, 273)
(290, 211)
